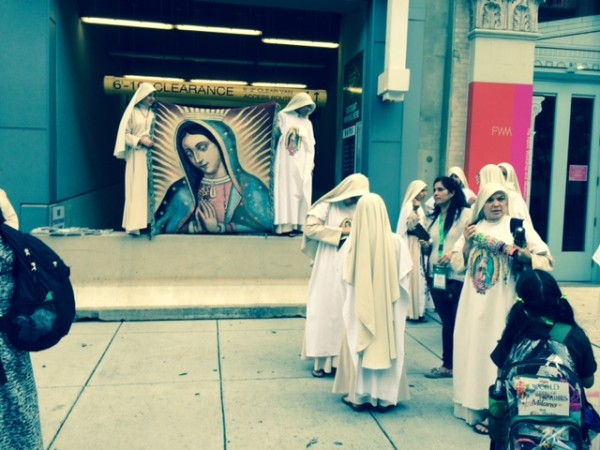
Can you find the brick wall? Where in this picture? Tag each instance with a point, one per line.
(457, 127)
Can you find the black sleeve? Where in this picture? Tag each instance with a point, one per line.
(581, 351)
(501, 352)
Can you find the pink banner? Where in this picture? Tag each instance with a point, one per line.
(498, 128)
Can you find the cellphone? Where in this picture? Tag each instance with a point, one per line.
(420, 232)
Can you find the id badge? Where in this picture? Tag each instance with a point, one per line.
(439, 277)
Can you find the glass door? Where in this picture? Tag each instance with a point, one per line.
(564, 175)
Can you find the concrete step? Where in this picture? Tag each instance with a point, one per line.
(225, 299)
(119, 277)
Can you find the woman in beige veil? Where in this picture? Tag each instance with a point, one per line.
(134, 139)
(411, 215)
(328, 224)
(375, 273)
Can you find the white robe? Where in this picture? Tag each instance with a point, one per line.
(417, 285)
(377, 387)
(136, 214)
(10, 216)
(518, 208)
(293, 171)
(481, 317)
(324, 325)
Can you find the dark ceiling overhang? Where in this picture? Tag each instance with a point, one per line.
(188, 55)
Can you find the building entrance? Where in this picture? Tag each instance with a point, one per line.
(564, 175)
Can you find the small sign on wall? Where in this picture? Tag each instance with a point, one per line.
(352, 107)
(58, 216)
(578, 173)
(349, 150)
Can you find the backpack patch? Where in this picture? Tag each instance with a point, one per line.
(545, 398)
(43, 305)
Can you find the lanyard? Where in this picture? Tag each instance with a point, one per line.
(442, 234)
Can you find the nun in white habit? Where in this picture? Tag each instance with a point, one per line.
(459, 175)
(490, 173)
(510, 175)
(328, 224)
(412, 214)
(375, 275)
(294, 163)
(134, 138)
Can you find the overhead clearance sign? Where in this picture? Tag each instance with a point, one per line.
(212, 91)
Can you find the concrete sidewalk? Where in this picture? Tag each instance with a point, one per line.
(239, 384)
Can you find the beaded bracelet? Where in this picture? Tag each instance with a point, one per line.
(495, 245)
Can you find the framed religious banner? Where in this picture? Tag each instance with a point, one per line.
(211, 169)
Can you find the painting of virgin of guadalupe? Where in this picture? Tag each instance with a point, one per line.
(211, 170)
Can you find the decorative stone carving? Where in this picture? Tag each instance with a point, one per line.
(505, 15)
(521, 17)
(492, 16)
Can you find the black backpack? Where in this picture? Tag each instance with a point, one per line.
(545, 398)
(43, 305)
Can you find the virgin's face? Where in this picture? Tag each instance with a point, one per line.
(495, 207)
(147, 100)
(304, 111)
(351, 201)
(441, 195)
(421, 195)
(202, 153)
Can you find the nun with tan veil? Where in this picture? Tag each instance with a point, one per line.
(134, 139)
(510, 175)
(487, 252)
(328, 224)
(412, 214)
(459, 175)
(294, 163)
(374, 281)
(517, 207)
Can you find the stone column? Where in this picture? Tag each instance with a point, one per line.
(502, 46)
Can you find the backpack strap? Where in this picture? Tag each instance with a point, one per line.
(560, 331)
(3, 378)
(515, 223)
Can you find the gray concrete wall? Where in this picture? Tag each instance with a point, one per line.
(25, 159)
(434, 96)
(388, 152)
(459, 76)
(184, 273)
(411, 154)
(444, 93)
(57, 127)
(86, 125)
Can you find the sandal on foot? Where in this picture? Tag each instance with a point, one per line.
(481, 428)
(318, 373)
(439, 372)
(354, 406)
